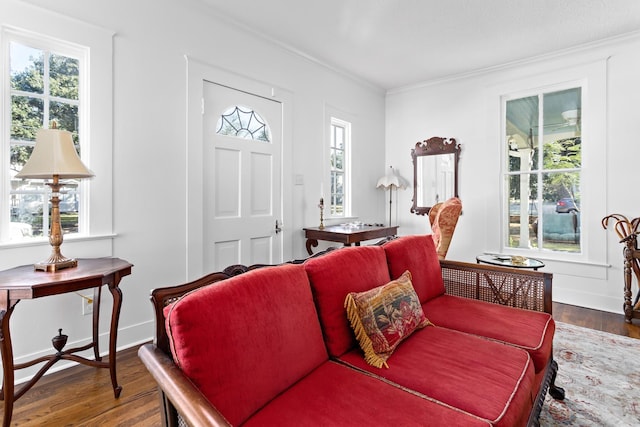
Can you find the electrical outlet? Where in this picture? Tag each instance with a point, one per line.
(87, 305)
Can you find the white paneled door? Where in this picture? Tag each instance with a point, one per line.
(242, 178)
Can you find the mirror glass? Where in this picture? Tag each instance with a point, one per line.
(435, 172)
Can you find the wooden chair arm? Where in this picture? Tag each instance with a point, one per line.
(185, 398)
(521, 288)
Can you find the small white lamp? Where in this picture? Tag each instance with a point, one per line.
(391, 180)
(54, 157)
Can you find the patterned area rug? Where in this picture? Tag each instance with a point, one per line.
(600, 373)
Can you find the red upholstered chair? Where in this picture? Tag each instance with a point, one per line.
(444, 217)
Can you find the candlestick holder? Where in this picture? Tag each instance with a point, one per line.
(321, 206)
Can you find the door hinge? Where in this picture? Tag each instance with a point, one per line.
(278, 226)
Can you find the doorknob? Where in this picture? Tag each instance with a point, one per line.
(278, 227)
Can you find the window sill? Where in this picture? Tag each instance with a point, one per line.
(335, 220)
(45, 240)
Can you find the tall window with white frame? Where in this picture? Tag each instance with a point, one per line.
(339, 164)
(45, 85)
(542, 169)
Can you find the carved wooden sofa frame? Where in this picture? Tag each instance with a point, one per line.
(182, 404)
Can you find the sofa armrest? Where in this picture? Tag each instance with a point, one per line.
(177, 392)
(519, 288)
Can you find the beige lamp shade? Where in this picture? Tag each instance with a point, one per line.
(54, 154)
(391, 179)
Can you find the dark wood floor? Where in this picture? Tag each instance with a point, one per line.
(82, 396)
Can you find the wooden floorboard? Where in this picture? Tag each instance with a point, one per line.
(82, 396)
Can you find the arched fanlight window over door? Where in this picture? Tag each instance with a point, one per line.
(243, 122)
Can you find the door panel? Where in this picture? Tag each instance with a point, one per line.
(242, 183)
(226, 183)
(261, 189)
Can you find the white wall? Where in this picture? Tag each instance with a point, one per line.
(149, 139)
(462, 108)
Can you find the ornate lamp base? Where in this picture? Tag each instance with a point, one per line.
(56, 264)
(56, 260)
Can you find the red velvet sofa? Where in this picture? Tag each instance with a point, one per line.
(274, 346)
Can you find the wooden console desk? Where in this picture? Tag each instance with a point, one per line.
(346, 234)
(25, 283)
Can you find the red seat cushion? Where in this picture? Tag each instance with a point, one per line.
(335, 395)
(530, 330)
(332, 277)
(245, 340)
(491, 380)
(418, 255)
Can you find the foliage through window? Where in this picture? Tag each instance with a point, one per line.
(338, 155)
(543, 146)
(44, 88)
(243, 122)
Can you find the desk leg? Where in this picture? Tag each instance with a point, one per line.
(113, 334)
(7, 359)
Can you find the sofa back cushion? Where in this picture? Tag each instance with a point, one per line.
(244, 340)
(418, 255)
(333, 276)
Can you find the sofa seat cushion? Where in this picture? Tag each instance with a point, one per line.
(491, 380)
(418, 255)
(332, 277)
(245, 340)
(336, 395)
(530, 330)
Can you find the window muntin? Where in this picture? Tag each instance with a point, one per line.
(44, 86)
(339, 164)
(243, 122)
(543, 145)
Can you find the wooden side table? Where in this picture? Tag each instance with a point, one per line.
(25, 283)
(346, 234)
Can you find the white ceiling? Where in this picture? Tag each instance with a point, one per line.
(397, 43)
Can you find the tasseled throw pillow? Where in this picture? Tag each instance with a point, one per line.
(384, 316)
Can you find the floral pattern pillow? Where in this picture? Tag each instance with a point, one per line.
(384, 316)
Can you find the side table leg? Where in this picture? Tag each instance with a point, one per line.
(97, 293)
(113, 334)
(311, 243)
(7, 360)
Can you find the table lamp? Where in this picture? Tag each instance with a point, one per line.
(54, 157)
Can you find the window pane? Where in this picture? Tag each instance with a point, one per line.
(243, 122)
(27, 116)
(522, 133)
(561, 217)
(339, 181)
(523, 211)
(27, 68)
(563, 153)
(66, 117)
(339, 160)
(338, 140)
(63, 76)
(26, 209)
(19, 156)
(562, 142)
